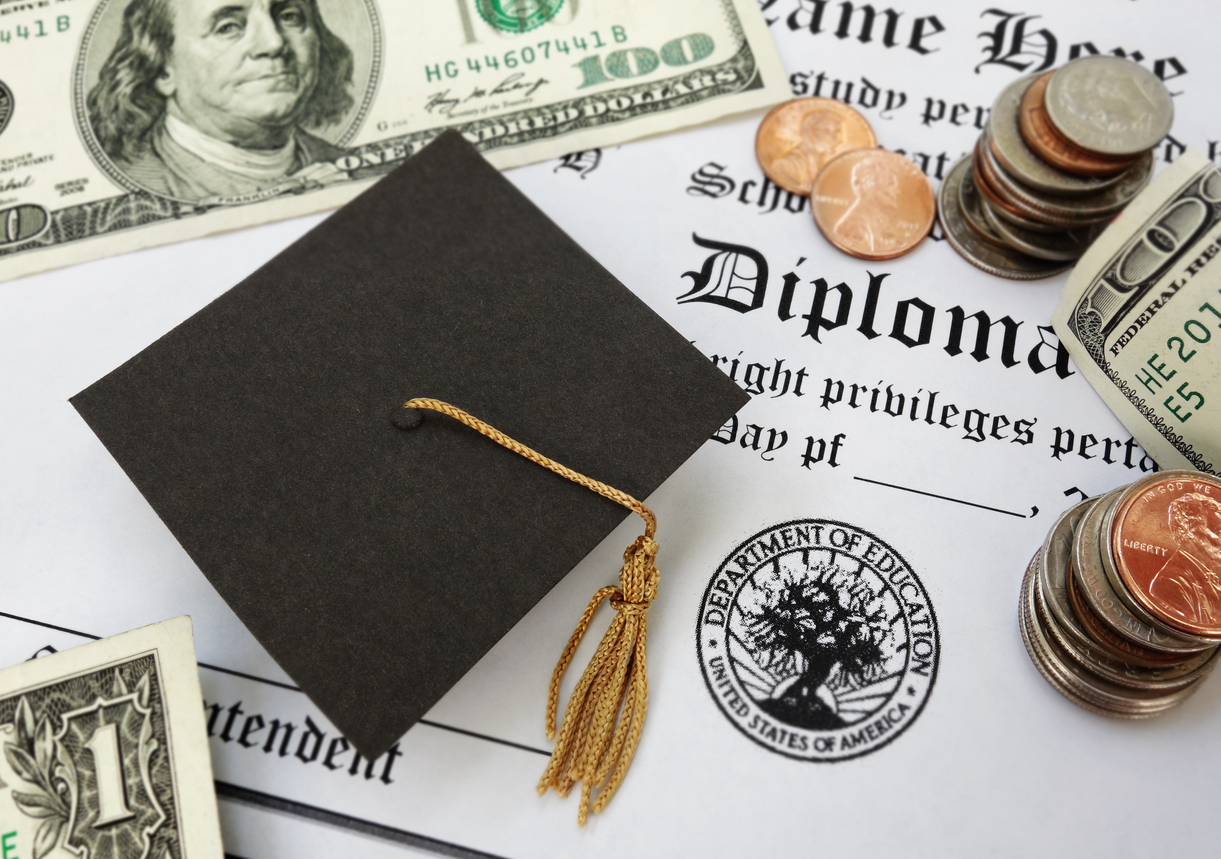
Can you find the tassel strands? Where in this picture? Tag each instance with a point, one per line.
(605, 714)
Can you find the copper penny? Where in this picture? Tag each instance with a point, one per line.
(1050, 145)
(797, 139)
(873, 204)
(1165, 541)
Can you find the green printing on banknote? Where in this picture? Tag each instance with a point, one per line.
(1141, 316)
(161, 140)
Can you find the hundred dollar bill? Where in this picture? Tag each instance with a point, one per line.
(131, 123)
(1141, 316)
(106, 754)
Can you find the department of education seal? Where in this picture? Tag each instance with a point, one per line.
(817, 640)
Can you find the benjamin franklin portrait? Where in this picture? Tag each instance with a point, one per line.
(203, 99)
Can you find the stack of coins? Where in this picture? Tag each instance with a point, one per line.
(1062, 154)
(1121, 607)
(868, 202)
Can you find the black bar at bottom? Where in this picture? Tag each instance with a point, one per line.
(344, 821)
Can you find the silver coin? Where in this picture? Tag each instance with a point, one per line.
(1099, 590)
(1012, 153)
(1051, 590)
(1018, 221)
(1109, 105)
(1031, 640)
(1076, 683)
(1067, 246)
(997, 260)
(971, 207)
(1003, 187)
(1068, 211)
(1105, 551)
(1055, 554)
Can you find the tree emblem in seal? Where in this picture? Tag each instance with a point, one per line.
(517, 16)
(817, 640)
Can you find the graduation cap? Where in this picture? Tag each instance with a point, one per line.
(377, 566)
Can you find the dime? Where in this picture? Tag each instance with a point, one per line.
(1021, 201)
(1165, 543)
(1066, 246)
(1109, 105)
(1078, 684)
(1020, 160)
(1051, 146)
(1099, 591)
(1097, 207)
(1051, 593)
(873, 204)
(998, 260)
(797, 138)
(970, 207)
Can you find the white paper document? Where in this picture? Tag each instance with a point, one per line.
(914, 430)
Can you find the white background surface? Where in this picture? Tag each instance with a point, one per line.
(997, 764)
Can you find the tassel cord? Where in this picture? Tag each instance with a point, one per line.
(603, 720)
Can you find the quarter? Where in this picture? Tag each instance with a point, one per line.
(998, 260)
(1109, 105)
(1041, 135)
(1020, 160)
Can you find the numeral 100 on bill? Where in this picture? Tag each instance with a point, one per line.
(637, 62)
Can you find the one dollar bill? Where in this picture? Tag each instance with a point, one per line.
(1141, 316)
(131, 123)
(105, 753)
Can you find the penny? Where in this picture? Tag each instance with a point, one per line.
(1020, 160)
(1099, 591)
(998, 260)
(971, 208)
(1065, 246)
(1165, 543)
(797, 139)
(1055, 208)
(1041, 135)
(873, 204)
(1109, 105)
(1052, 594)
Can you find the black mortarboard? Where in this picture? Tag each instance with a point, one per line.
(377, 566)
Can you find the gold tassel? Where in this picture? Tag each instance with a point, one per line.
(605, 715)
